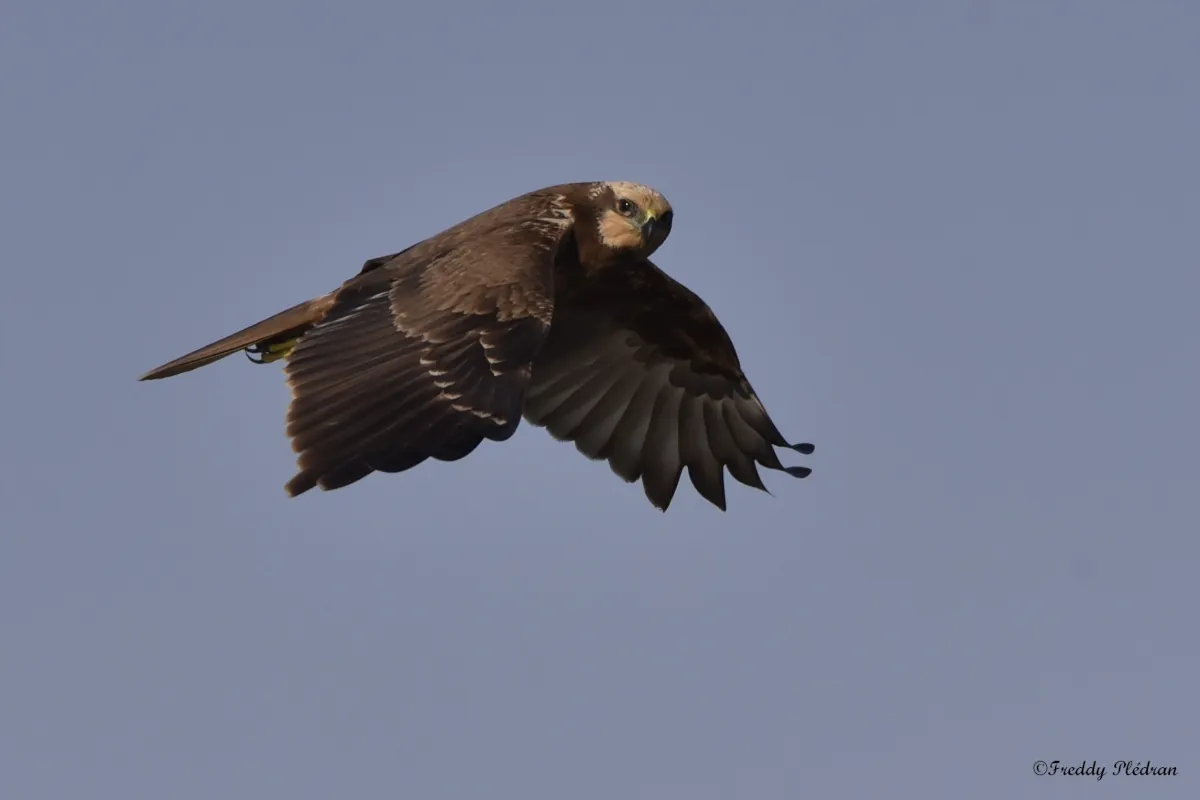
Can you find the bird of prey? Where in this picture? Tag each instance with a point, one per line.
(545, 307)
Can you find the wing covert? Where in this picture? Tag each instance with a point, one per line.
(421, 357)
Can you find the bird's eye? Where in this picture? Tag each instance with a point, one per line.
(626, 207)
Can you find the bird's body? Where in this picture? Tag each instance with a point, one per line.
(545, 308)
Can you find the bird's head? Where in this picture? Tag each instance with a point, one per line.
(632, 217)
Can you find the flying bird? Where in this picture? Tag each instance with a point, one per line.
(546, 307)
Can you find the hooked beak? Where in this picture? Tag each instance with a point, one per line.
(661, 224)
(648, 229)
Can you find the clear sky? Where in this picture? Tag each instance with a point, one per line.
(955, 243)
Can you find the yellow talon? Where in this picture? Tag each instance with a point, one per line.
(271, 352)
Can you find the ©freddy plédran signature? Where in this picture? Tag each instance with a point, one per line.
(1097, 770)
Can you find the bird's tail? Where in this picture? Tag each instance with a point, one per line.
(273, 338)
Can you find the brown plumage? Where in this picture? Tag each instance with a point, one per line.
(545, 307)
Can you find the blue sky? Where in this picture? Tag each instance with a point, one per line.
(954, 244)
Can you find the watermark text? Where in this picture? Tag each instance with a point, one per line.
(1094, 769)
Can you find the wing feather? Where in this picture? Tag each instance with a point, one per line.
(597, 429)
(424, 354)
(638, 371)
(703, 468)
(624, 449)
(575, 408)
(662, 453)
(740, 464)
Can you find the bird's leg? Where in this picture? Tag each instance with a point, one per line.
(269, 352)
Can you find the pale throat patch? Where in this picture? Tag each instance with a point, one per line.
(618, 232)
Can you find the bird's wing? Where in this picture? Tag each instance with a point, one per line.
(638, 371)
(426, 355)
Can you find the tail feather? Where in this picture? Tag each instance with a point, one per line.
(285, 325)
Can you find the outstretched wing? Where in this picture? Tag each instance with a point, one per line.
(427, 355)
(637, 370)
